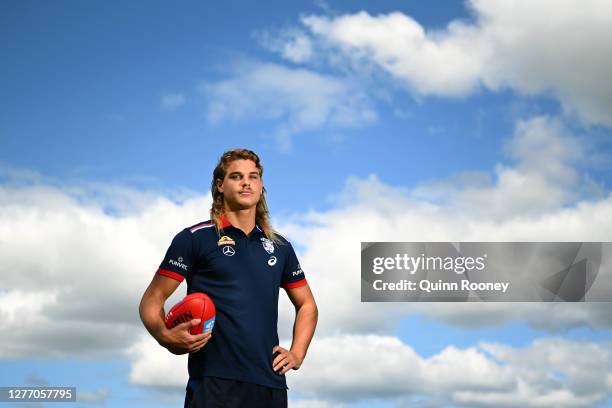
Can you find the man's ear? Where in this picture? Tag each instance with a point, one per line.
(219, 185)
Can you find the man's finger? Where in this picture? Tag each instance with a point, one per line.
(278, 358)
(198, 345)
(203, 341)
(283, 361)
(201, 336)
(187, 325)
(286, 368)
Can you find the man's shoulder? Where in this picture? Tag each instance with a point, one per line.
(201, 226)
(201, 233)
(281, 240)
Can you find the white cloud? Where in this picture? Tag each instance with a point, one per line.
(314, 404)
(549, 372)
(299, 99)
(152, 365)
(401, 46)
(388, 368)
(60, 246)
(339, 370)
(96, 397)
(293, 45)
(551, 47)
(172, 101)
(574, 372)
(298, 49)
(543, 177)
(527, 396)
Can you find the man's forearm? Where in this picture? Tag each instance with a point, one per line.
(303, 329)
(152, 316)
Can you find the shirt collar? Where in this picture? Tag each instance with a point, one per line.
(224, 221)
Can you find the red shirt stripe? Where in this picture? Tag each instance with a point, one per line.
(171, 274)
(295, 284)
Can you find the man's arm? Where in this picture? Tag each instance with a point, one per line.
(178, 340)
(306, 315)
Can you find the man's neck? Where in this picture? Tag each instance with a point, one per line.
(242, 219)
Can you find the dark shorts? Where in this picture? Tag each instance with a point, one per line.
(213, 392)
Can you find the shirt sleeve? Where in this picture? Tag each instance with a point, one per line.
(293, 275)
(179, 259)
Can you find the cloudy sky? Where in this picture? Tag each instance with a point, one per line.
(376, 121)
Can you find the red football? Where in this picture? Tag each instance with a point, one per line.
(194, 306)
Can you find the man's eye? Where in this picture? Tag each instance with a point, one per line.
(254, 176)
(235, 176)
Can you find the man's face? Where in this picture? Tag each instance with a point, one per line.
(242, 185)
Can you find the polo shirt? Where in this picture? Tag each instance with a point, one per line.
(242, 275)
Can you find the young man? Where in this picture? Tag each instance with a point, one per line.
(240, 262)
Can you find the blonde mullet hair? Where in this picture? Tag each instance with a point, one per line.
(262, 213)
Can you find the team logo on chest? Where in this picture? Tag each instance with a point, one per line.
(225, 240)
(268, 245)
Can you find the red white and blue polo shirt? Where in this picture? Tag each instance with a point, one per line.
(242, 275)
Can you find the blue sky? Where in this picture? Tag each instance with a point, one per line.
(96, 75)
(400, 120)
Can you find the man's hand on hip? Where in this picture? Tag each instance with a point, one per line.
(285, 360)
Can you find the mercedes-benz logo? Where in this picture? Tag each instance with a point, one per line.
(228, 250)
